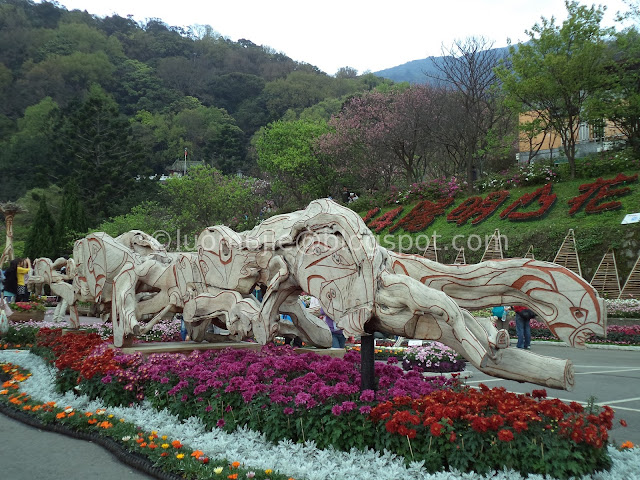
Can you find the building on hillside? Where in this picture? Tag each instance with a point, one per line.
(548, 145)
(180, 167)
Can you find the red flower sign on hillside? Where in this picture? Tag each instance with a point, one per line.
(545, 199)
(596, 192)
(477, 207)
(370, 214)
(385, 220)
(422, 215)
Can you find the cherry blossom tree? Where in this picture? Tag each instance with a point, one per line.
(380, 135)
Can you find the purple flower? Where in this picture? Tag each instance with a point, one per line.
(220, 423)
(368, 396)
(208, 408)
(365, 410)
(336, 410)
(288, 411)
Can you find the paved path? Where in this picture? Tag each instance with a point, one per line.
(28, 453)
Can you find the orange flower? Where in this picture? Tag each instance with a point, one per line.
(143, 444)
(233, 476)
(235, 464)
(176, 444)
(61, 415)
(92, 421)
(164, 454)
(105, 424)
(197, 453)
(627, 444)
(152, 446)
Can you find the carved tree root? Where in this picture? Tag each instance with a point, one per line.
(525, 366)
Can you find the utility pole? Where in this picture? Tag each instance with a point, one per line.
(185, 162)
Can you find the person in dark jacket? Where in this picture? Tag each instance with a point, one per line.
(523, 326)
(11, 280)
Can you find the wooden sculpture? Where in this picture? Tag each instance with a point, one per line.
(327, 251)
(46, 272)
(9, 210)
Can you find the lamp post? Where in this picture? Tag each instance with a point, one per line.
(185, 162)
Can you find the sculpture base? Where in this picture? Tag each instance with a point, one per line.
(332, 352)
(19, 317)
(184, 347)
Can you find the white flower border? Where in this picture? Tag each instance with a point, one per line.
(302, 461)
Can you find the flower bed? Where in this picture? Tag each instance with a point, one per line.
(433, 357)
(463, 431)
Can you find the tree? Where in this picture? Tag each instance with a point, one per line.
(206, 197)
(286, 151)
(72, 222)
(476, 123)
(41, 239)
(557, 70)
(95, 148)
(618, 99)
(378, 135)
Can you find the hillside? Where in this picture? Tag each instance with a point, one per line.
(594, 232)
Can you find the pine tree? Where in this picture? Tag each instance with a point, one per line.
(41, 239)
(72, 222)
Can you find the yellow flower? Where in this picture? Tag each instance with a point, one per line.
(180, 456)
(165, 445)
(268, 471)
(217, 470)
(164, 437)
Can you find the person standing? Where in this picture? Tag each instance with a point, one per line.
(24, 267)
(11, 280)
(337, 335)
(523, 326)
(500, 321)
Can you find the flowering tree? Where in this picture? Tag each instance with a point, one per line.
(381, 134)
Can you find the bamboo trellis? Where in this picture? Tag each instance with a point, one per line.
(494, 248)
(460, 260)
(431, 252)
(606, 280)
(567, 255)
(631, 287)
(529, 253)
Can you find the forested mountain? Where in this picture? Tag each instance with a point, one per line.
(421, 71)
(107, 102)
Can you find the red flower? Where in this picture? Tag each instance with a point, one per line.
(505, 435)
(436, 429)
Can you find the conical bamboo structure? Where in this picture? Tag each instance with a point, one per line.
(460, 260)
(494, 248)
(431, 252)
(606, 280)
(631, 287)
(567, 255)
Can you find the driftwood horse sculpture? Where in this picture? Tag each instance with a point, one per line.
(328, 251)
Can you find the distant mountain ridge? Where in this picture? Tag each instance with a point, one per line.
(417, 71)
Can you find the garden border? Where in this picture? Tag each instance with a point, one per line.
(118, 451)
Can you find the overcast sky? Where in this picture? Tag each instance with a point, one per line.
(365, 35)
